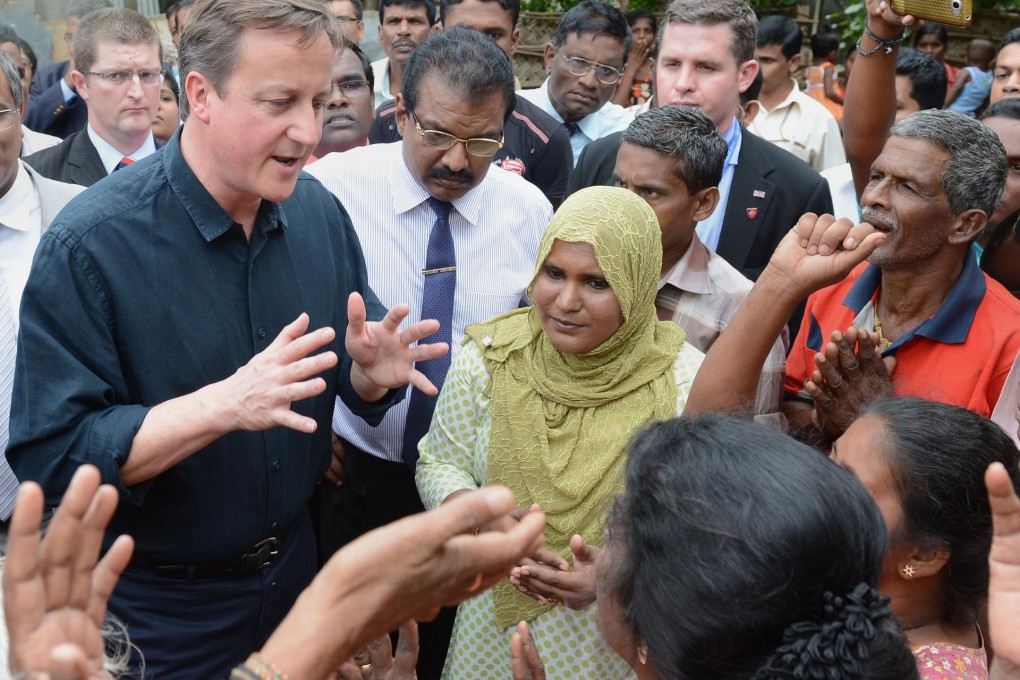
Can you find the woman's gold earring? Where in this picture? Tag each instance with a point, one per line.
(908, 571)
(642, 653)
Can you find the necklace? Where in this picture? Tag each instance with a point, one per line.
(883, 344)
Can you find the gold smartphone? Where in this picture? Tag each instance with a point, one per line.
(951, 12)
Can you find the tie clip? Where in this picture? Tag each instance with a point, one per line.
(440, 270)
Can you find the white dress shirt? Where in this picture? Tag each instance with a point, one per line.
(844, 195)
(381, 74)
(32, 141)
(20, 230)
(496, 229)
(111, 156)
(804, 127)
(607, 120)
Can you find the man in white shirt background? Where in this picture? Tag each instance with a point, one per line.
(403, 24)
(118, 70)
(789, 118)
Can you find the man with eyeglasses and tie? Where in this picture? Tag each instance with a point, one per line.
(351, 106)
(584, 63)
(118, 70)
(444, 231)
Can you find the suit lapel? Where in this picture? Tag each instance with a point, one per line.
(86, 168)
(751, 195)
(53, 195)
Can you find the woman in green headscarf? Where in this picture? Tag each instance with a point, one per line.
(544, 400)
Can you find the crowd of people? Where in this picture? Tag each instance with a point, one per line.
(671, 367)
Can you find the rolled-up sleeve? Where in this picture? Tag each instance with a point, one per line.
(70, 403)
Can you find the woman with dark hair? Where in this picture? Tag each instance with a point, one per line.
(737, 553)
(933, 39)
(544, 401)
(924, 462)
(168, 114)
(635, 86)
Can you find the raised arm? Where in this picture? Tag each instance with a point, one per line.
(818, 252)
(869, 108)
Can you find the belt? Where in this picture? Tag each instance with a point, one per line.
(263, 554)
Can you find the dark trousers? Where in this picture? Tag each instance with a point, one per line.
(202, 628)
(376, 492)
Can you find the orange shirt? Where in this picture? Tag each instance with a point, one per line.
(960, 356)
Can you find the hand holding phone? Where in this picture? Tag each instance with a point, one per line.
(950, 12)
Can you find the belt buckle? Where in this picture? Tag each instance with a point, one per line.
(266, 552)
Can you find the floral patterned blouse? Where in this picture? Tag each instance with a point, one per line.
(946, 661)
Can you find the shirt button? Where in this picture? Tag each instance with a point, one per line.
(262, 332)
(276, 465)
(276, 525)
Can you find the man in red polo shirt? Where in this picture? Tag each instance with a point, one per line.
(953, 331)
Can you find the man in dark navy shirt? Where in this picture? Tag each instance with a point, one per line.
(534, 145)
(165, 339)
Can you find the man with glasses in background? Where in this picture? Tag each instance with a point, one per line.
(350, 109)
(535, 145)
(584, 63)
(444, 231)
(56, 107)
(118, 70)
(350, 14)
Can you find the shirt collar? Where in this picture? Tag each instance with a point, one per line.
(733, 138)
(951, 323)
(408, 193)
(211, 220)
(690, 273)
(110, 156)
(543, 102)
(791, 98)
(16, 204)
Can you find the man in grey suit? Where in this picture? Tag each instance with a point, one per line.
(118, 70)
(28, 204)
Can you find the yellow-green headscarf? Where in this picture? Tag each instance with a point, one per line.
(561, 422)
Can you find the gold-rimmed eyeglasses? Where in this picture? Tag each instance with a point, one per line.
(476, 146)
(607, 75)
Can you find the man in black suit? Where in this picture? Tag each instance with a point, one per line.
(706, 59)
(118, 70)
(56, 107)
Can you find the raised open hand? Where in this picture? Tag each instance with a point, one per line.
(383, 355)
(55, 592)
(262, 391)
(1004, 571)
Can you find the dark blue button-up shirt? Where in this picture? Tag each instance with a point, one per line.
(144, 289)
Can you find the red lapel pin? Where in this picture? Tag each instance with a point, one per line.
(752, 213)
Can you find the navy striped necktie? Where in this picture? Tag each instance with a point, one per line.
(437, 303)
